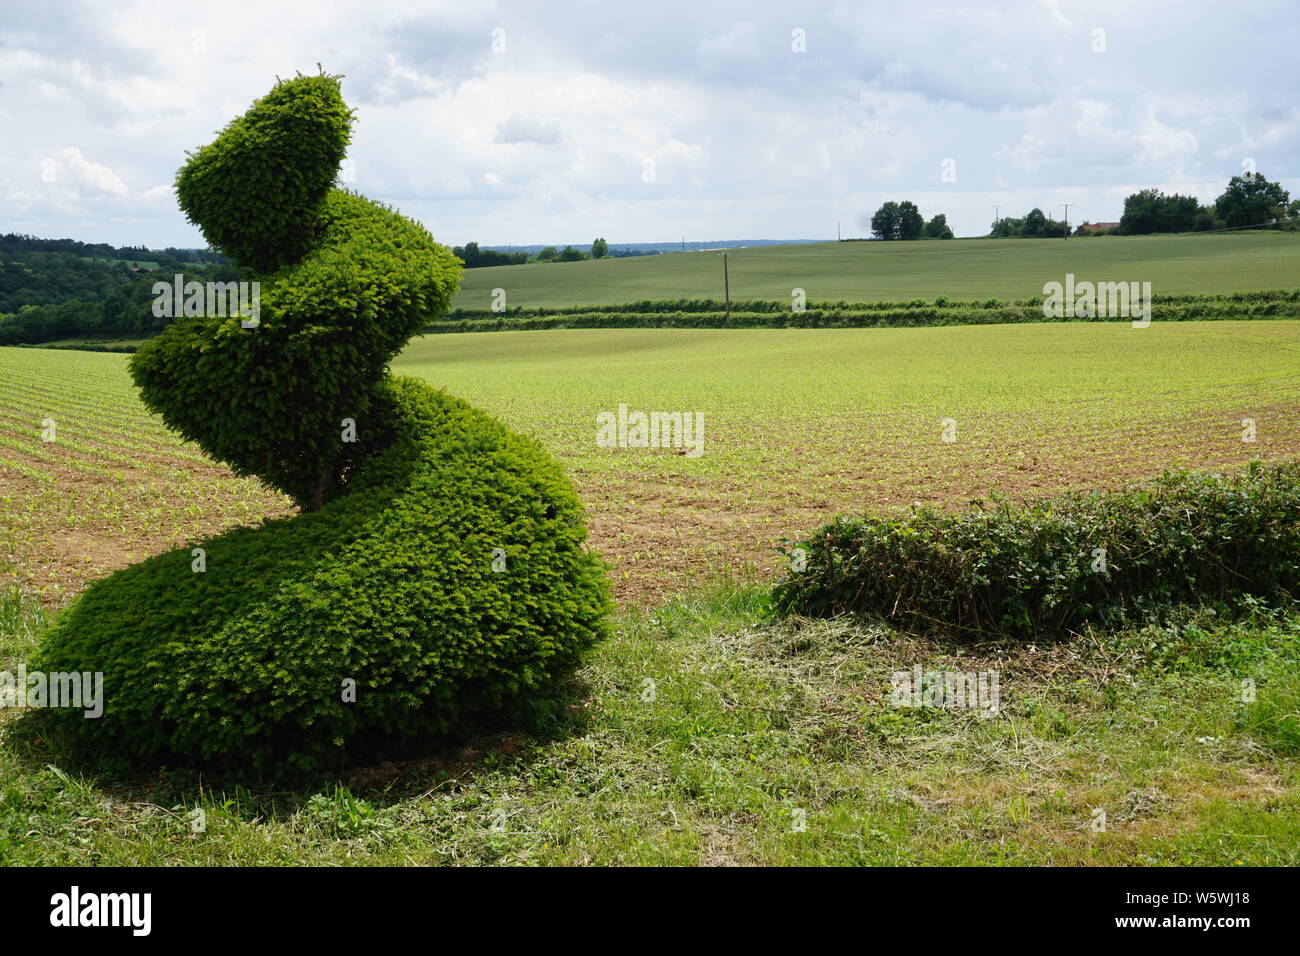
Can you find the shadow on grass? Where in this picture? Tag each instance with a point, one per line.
(384, 770)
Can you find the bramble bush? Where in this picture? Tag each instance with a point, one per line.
(1046, 568)
(438, 566)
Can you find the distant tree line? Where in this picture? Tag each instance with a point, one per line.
(902, 220)
(1249, 200)
(12, 244)
(49, 296)
(48, 278)
(1034, 225)
(475, 257)
(60, 288)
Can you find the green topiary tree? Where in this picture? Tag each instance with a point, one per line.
(439, 564)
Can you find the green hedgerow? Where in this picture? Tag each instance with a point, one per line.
(1046, 568)
(439, 565)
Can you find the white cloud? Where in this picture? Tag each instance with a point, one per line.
(71, 172)
(527, 129)
(548, 140)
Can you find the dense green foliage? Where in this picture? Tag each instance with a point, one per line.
(476, 258)
(392, 586)
(1150, 210)
(1251, 201)
(897, 220)
(256, 189)
(49, 278)
(706, 313)
(328, 329)
(938, 228)
(54, 295)
(13, 244)
(1047, 568)
(1248, 200)
(440, 562)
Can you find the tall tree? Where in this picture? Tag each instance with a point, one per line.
(1150, 210)
(884, 224)
(1251, 201)
(1035, 220)
(938, 228)
(910, 223)
(599, 249)
(897, 220)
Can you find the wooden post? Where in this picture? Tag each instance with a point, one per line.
(726, 284)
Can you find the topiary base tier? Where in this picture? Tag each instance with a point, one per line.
(452, 576)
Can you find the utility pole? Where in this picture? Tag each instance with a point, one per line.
(838, 236)
(726, 284)
(995, 219)
(683, 243)
(1067, 220)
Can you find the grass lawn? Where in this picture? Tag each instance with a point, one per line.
(1006, 269)
(702, 735)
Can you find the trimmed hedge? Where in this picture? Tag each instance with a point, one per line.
(1027, 571)
(256, 189)
(344, 281)
(439, 562)
(270, 401)
(392, 586)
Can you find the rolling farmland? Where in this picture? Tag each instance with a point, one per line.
(1006, 269)
(798, 425)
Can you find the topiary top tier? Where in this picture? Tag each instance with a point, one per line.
(345, 282)
(439, 565)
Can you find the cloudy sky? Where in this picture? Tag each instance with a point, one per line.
(525, 122)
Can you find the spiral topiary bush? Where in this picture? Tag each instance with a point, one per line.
(438, 564)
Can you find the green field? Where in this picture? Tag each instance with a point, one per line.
(799, 424)
(1006, 269)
